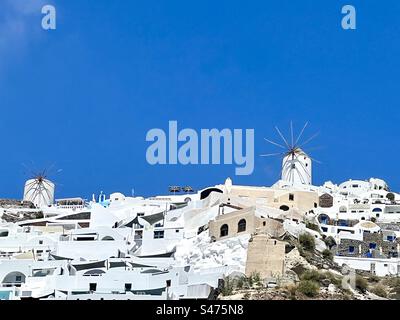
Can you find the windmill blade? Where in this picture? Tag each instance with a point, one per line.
(291, 174)
(302, 179)
(302, 165)
(283, 138)
(301, 133)
(28, 171)
(277, 144)
(31, 184)
(48, 193)
(309, 139)
(272, 154)
(315, 160)
(284, 166)
(291, 133)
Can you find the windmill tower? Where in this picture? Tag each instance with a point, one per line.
(297, 167)
(39, 190)
(296, 163)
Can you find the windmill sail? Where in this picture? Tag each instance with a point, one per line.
(39, 190)
(296, 163)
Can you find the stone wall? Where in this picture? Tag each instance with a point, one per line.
(265, 256)
(232, 220)
(383, 248)
(254, 224)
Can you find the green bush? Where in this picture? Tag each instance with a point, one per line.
(309, 288)
(227, 288)
(255, 278)
(292, 291)
(395, 293)
(312, 226)
(374, 279)
(307, 241)
(379, 290)
(312, 275)
(327, 254)
(240, 282)
(318, 276)
(336, 280)
(394, 285)
(305, 254)
(392, 282)
(247, 282)
(361, 284)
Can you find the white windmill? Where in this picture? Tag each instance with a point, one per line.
(39, 190)
(296, 163)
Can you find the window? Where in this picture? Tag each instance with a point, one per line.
(89, 238)
(291, 197)
(168, 283)
(159, 234)
(138, 234)
(3, 233)
(176, 230)
(18, 278)
(40, 241)
(264, 223)
(242, 225)
(372, 245)
(92, 287)
(224, 230)
(373, 268)
(128, 286)
(284, 208)
(351, 249)
(342, 209)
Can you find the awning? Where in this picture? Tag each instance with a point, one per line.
(152, 219)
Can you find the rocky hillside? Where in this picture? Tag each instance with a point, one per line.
(309, 275)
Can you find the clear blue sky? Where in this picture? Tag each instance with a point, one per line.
(84, 96)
